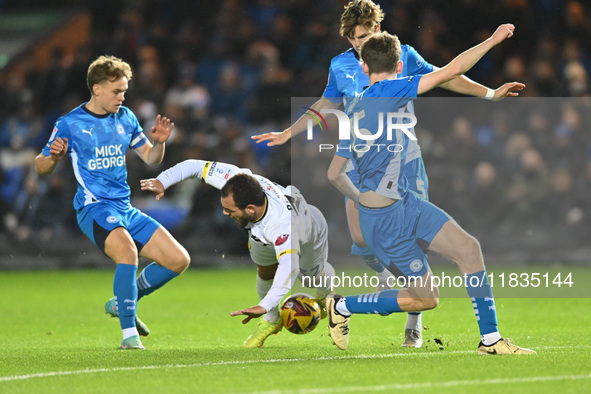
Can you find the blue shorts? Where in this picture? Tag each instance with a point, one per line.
(98, 220)
(417, 181)
(402, 232)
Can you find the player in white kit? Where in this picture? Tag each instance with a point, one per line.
(288, 238)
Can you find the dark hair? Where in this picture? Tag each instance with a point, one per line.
(245, 190)
(381, 53)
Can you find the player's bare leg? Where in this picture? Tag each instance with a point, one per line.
(166, 251)
(452, 241)
(414, 325)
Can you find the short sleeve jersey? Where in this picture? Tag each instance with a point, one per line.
(346, 80)
(97, 145)
(381, 164)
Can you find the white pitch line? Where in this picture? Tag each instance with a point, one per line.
(246, 362)
(428, 385)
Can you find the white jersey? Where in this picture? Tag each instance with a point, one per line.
(288, 225)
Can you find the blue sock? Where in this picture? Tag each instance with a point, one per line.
(153, 277)
(480, 292)
(125, 290)
(384, 303)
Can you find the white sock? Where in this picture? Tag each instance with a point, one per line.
(129, 332)
(341, 307)
(263, 287)
(414, 322)
(490, 339)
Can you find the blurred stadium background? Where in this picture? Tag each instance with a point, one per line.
(516, 174)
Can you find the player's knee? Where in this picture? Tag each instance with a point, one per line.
(179, 261)
(430, 303)
(470, 252)
(184, 260)
(122, 253)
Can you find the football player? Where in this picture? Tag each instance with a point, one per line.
(97, 135)
(397, 224)
(287, 236)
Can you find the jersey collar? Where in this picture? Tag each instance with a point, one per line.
(264, 212)
(93, 114)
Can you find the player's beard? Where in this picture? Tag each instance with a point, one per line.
(243, 219)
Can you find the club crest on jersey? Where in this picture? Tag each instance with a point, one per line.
(416, 265)
(112, 219)
(221, 172)
(281, 239)
(120, 129)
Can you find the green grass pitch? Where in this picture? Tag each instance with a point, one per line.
(55, 338)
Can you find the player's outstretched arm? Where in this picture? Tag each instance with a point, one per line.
(465, 60)
(509, 89)
(298, 127)
(338, 177)
(153, 153)
(153, 185)
(465, 85)
(285, 276)
(46, 164)
(178, 173)
(251, 313)
(274, 138)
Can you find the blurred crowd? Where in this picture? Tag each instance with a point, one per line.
(225, 70)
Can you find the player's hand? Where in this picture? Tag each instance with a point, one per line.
(502, 32)
(509, 89)
(273, 138)
(153, 185)
(58, 148)
(252, 313)
(161, 130)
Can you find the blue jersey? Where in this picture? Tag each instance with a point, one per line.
(97, 145)
(380, 162)
(346, 80)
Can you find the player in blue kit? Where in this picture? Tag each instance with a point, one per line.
(97, 135)
(398, 225)
(346, 80)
